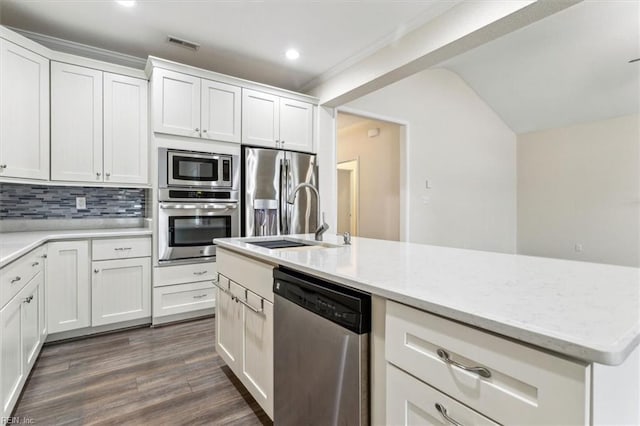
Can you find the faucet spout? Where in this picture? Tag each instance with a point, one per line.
(322, 225)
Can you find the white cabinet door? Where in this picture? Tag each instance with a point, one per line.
(411, 403)
(257, 350)
(260, 118)
(176, 103)
(24, 113)
(68, 298)
(220, 111)
(11, 356)
(121, 290)
(125, 129)
(31, 297)
(228, 326)
(76, 123)
(296, 125)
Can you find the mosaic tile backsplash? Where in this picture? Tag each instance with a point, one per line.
(19, 201)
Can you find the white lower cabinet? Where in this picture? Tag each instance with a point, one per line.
(20, 339)
(183, 291)
(415, 403)
(244, 336)
(68, 286)
(121, 290)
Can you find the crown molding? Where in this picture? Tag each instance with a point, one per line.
(84, 50)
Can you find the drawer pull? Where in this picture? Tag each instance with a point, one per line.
(35, 263)
(200, 272)
(28, 299)
(443, 413)
(15, 280)
(200, 296)
(480, 371)
(122, 248)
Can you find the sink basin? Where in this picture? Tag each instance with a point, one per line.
(278, 244)
(290, 243)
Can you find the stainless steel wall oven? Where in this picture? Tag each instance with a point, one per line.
(198, 201)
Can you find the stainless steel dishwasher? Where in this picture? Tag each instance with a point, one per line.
(321, 352)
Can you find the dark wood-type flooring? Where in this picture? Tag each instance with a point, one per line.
(156, 376)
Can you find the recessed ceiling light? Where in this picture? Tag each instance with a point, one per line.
(292, 54)
(126, 3)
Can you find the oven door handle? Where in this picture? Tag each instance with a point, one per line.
(216, 206)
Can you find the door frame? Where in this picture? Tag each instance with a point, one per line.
(405, 191)
(353, 166)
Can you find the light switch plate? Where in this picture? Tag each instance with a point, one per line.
(81, 203)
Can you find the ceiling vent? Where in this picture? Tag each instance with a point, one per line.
(183, 43)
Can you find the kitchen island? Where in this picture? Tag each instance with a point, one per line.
(584, 314)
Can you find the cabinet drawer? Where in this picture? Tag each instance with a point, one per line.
(170, 275)
(120, 248)
(254, 275)
(178, 299)
(17, 274)
(526, 386)
(411, 402)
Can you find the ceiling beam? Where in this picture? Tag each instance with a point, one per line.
(460, 29)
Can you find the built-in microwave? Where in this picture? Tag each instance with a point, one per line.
(197, 169)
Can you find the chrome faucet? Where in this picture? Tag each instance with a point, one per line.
(322, 225)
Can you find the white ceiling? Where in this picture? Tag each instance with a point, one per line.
(241, 38)
(569, 68)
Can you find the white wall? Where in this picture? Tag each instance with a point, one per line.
(581, 185)
(465, 151)
(379, 180)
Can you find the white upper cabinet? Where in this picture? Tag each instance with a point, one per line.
(76, 123)
(99, 130)
(220, 111)
(24, 113)
(260, 118)
(176, 103)
(184, 105)
(125, 129)
(296, 125)
(276, 122)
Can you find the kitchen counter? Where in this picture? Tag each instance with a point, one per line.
(583, 310)
(16, 244)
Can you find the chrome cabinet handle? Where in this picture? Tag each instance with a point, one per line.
(35, 263)
(200, 272)
(445, 415)
(200, 296)
(197, 129)
(98, 174)
(44, 256)
(28, 299)
(122, 248)
(95, 271)
(107, 174)
(3, 166)
(282, 142)
(204, 130)
(480, 371)
(15, 280)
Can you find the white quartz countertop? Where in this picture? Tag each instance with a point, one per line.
(16, 244)
(583, 310)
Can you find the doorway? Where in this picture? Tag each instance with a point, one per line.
(368, 177)
(348, 177)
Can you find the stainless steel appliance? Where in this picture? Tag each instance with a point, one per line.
(269, 178)
(197, 169)
(188, 222)
(321, 352)
(198, 201)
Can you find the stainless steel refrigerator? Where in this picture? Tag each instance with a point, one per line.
(268, 177)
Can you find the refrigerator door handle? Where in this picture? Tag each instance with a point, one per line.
(283, 197)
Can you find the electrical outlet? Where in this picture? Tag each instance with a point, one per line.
(81, 203)
(578, 248)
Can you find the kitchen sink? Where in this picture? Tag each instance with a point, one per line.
(283, 243)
